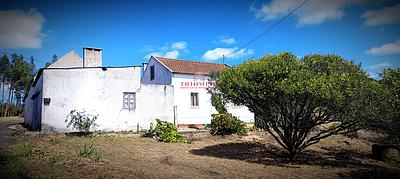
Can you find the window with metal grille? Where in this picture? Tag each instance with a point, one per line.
(194, 99)
(129, 100)
(152, 72)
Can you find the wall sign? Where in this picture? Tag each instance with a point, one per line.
(196, 84)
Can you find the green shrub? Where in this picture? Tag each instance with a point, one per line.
(96, 156)
(165, 132)
(81, 121)
(89, 152)
(226, 124)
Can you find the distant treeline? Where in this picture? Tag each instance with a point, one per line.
(15, 74)
(10, 110)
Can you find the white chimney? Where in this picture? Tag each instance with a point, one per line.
(92, 57)
(144, 66)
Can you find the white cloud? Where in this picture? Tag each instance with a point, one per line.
(227, 40)
(168, 50)
(313, 12)
(373, 75)
(380, 65)
(179, 45)
(386, 15)
(172, 54)
(148, 48)
(168, 54)
(386, 49)
(21, 29)
(217, 53)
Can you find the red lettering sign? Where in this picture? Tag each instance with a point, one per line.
(196, 84)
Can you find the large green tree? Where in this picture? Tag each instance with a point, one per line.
(391, 80)
(298, 100)
(21, 73)
(384, 105)
(216, 97)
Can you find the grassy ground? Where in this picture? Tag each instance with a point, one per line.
(121, 155)
(11, 119)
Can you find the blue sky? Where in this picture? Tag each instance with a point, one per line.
(129, 31)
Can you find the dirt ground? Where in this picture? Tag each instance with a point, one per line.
(254, 156)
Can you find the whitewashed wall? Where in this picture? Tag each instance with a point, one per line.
(155, 102)
(241, 112)
(186, 114)
(96, 90)
(100, 92)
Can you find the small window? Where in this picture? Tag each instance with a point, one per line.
(129, 100)
(194, 99)
(152, 72)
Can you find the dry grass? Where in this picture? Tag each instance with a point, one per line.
(11, 119)
(253, 156)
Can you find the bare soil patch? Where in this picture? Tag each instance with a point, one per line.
(254, 156)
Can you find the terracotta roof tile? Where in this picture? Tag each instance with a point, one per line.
(190, 67)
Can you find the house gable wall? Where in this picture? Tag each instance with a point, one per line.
(69, 60)
(162, 75)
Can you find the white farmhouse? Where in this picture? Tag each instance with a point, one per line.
(189, 81)
(170, 89)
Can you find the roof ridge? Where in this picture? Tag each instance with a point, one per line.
(189, 60)
(188, 66)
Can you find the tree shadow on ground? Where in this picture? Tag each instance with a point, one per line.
(78, 134)
(268, 154)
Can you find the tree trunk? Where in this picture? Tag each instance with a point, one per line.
(9, 101)
(6, 112)
(12, 96)
(9, 94)
(293, 153)
(16, 97)
(4, 84)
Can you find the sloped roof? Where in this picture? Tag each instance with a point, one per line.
(190, 67)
